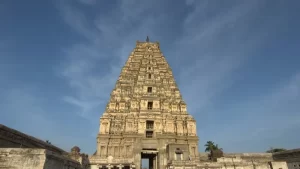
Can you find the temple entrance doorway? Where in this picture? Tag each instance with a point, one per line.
(149, 159)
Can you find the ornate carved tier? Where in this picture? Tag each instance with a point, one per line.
(145, 110)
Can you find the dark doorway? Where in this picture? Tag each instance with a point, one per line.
(145, 163)
(149, 159)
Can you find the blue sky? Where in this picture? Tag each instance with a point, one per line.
(236, 64)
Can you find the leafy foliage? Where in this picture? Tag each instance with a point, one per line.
(210, 146)
(275, 150)
(215, 151)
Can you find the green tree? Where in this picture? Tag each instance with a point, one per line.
(210, 146)
(275, 150)
(214, 150)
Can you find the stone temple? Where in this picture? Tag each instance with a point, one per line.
(146, 116)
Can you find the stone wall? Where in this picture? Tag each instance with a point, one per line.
(292, 157)
(183, 151)
(249, 157)
(203, 157)
(241, 164)
(279, 165)
(242, 161)
(82, 158)
(31, 158)
(258, 157)
(10, 138)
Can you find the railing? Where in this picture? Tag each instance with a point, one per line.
(122, 161)
(113, 161)
(182, 162)
(152, 94)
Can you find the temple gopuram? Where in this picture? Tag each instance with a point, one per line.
(144, 119)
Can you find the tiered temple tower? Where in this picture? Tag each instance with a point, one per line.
(146, 116)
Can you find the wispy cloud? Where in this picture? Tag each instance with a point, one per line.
(215, 48)
(197, 36)
(24, 106)
(105, 44)
(209, 47)
(268, 118)
(235, 63)
(25, 109)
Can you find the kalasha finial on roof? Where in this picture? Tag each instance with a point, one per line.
(147, 39)
(75, 149)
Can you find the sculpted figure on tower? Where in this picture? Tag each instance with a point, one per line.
(145, 104)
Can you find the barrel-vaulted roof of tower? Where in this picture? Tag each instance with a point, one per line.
(148, 42)
(182, 102)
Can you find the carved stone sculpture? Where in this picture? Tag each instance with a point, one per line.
(145, 104)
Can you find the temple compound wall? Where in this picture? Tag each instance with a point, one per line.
(11, 138)
(292, 157)
(33, 158)
(241, 161)
(21, 151)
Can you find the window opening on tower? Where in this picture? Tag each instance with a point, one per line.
(149, 125)
(150, 105)
(149, 134)
(149, 89)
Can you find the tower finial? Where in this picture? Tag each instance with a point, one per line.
(147, 39)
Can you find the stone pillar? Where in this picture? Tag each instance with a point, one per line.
(120, 166)
(109, 166)
(106, 151)
(154, 162)
(98, 148)
(162, 159)
(132, 166)
(137, 160)
(151, 162)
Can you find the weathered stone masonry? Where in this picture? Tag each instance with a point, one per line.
(146, 116)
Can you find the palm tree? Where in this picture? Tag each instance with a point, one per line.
(215, 151)
(209, 146)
